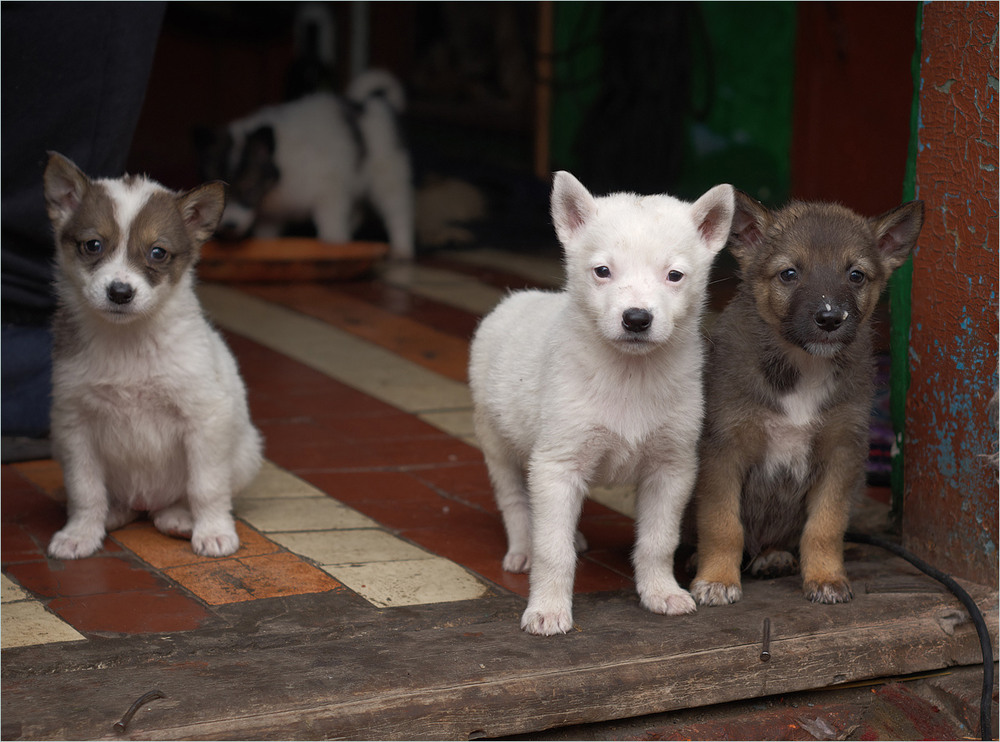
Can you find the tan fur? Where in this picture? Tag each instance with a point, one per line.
(788, 393)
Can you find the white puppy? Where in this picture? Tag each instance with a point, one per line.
(600, 383)
(148, 409)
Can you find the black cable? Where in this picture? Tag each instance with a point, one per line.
(959, 592)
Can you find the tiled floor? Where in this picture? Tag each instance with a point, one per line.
(373, 483)
(371, 535)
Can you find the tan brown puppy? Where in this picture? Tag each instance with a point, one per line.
(789, 383)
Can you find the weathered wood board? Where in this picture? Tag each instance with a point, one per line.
(331, 666)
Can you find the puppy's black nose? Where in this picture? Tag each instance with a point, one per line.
(636, 320)
(120, 292)
(829, 319)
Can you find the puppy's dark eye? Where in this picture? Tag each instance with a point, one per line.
(674, 276)
(92, 247)
(856, 276)
(788, 275)
(602, 271)
(158, 254)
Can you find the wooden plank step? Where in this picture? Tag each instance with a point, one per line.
(328, 666)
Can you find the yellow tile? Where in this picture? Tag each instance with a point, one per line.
(26, 623)
(357, 363)
(454, 422)
(349, 547)
(620, 498)
(300, 514)
(274, 482)
(12, 592)
(418, 582)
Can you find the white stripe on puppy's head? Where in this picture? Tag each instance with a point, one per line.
(123, 244)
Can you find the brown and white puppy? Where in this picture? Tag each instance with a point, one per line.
(789, 383)
(149, 413)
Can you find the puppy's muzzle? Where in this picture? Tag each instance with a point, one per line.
(829, 318)
(120, 292)
(636, 320)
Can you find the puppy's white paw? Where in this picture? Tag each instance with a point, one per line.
(837, 590)
(547, 623)
(174, 521)
(715, 593)
(214, 543)
(75, 542)
(670, 604)
(516, 562)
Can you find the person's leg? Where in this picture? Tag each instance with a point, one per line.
(74, 77)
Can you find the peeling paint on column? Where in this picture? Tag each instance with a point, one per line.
(950, 514)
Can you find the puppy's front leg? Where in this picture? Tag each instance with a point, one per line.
(821, 549)
(87, 499)
(659, 508)
(557, 493)
(720, 532)
(209, 494)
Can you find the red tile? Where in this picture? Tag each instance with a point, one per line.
(468, 482)
(371, 453)
(429, 510)
(477, 543)
(616, 560)
(37, 514)
(32, 511)
(20, 495)
(426, 311)
(163, 551)
(133, 612)
(19, 546)
(92, 576)
(354, 488)
(603, 532)
(253, 578)
(439, 352)
(46, 474)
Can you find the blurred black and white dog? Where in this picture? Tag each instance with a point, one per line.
(317, 158)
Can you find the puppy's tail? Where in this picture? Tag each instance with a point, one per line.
(378, 83)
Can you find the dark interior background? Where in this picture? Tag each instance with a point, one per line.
(784, 100)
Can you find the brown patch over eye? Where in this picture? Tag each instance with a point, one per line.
(91, 232)
(158, 243)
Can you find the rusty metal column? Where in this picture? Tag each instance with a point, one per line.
(950, 476)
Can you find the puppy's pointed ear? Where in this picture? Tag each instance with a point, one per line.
(897, 231)
(572, 206)
(201, 209)
(750, 222)
(65, 186)
(713, 215)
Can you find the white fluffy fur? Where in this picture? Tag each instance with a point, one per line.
(319, 179)
(566, 397)
(149, 411)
